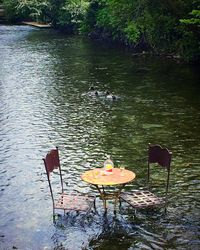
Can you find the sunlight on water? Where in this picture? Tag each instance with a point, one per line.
(44, 80)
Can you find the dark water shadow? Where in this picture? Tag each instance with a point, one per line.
(99, 230)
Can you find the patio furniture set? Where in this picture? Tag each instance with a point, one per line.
(102, 180)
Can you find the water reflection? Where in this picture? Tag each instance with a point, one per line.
(43, 76)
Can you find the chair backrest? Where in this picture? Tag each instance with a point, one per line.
(51, 162)
(161, 156)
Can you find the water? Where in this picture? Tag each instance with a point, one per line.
(44, 78)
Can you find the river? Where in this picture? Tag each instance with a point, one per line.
(44, 80)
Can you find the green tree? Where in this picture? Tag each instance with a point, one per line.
(71, 14)
(189, 44)
(35, 9)
(26, 9)
(11, 12)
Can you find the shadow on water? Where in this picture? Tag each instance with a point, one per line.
(44, 78)
(125, 230)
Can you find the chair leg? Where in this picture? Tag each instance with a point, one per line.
(54, 215)
(94, 204)
(135, 214)
(120, 203)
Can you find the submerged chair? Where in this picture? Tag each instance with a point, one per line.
(144, 199)
(64, 201)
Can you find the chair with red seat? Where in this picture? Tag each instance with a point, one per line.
(65, 201)
(145, 198)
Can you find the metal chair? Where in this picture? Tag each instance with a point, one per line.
(144, 199)
(64, 201)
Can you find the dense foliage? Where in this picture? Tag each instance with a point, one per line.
(170, 26)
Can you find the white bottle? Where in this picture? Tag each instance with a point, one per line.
(108, 164)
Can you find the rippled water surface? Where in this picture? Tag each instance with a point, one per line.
(44, 79)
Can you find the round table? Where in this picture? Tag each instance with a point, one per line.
(100, 179)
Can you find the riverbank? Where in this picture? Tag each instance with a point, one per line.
(141, 50)
(38, 25)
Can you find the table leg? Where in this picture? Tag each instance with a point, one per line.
(117, 196)
(102, 195)
(105, 196)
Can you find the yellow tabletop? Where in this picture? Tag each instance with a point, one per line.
(100, 177)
